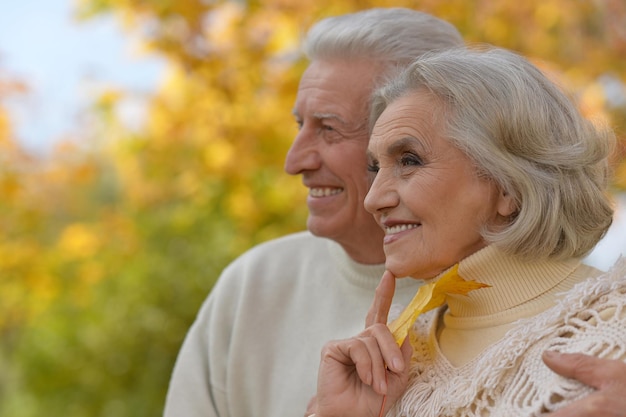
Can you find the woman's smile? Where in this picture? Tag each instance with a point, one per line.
(392, 233)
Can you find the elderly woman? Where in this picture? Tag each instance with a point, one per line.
(482, 163)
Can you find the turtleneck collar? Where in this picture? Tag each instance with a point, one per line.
(513, 282)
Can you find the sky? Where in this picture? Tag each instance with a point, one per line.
(66, 63)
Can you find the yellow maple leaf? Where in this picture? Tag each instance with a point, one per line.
(430, 296)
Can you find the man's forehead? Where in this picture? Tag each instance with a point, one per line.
(338, 79)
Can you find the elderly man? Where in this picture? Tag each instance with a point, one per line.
(254, 347)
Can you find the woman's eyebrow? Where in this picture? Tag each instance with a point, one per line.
(403, 144)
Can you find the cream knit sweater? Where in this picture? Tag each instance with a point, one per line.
(254, 349)
(481, 355)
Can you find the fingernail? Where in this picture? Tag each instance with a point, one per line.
(397, 363)
(549, 354)
(383, 387)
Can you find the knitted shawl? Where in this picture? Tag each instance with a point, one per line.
(509, 378)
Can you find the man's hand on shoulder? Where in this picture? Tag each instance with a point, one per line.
(607, 376)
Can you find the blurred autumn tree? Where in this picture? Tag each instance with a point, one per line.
(107, 251)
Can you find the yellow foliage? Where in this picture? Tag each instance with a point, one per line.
(91, 272)
(283, 191)
(275, 29)
(9, 187)
(592, 100)
(242, 206)
(496, 28)
(620, 175)
(548, 14)
(78, 241)
(218, 154)
(16, 253)
(43, 289)
(110, 97)
(189, 183)
(221, 30)
(5, 127)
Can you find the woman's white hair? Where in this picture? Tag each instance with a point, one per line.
(528, 136)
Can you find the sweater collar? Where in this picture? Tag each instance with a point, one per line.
(513, 281)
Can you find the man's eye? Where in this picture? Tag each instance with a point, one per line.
(330, 134)
(299, 124)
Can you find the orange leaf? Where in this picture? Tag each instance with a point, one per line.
(430, 296)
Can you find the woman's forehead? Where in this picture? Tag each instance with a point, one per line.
(412, 115)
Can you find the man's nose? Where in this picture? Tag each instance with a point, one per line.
(304, 153)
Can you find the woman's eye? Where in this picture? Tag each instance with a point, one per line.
(372, 167)
(409, 159)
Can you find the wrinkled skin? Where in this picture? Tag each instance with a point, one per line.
(607, 376)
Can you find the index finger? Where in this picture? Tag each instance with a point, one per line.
(383, 298)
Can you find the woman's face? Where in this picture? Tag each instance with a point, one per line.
(426, 195)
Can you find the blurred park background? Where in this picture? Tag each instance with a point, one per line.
(112, 237)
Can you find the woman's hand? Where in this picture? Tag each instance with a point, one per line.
(364, 374)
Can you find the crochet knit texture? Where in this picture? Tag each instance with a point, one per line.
(509, 378)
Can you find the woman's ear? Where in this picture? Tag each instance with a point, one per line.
(506, 204)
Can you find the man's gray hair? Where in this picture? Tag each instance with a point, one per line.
(391, 36)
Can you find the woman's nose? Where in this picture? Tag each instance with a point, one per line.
(381, 194)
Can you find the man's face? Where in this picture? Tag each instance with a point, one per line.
(332, 109)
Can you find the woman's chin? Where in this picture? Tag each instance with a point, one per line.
(401, 271)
